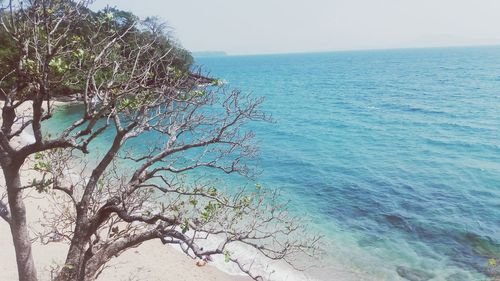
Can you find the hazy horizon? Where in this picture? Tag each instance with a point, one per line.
(280, 26)
(347, 50)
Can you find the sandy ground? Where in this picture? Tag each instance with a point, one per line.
(151, 261)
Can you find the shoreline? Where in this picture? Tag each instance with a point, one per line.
(148, 261)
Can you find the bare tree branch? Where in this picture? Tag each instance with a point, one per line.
(132, 83)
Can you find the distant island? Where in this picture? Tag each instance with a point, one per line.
(209, 54)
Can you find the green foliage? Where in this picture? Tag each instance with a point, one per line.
(246, 200)
(217, 83)
(134, 102)
(39, 156)
(193, 202)
(185, 226)
(41, 164)
(9, 56)
(210, 210)
(78, 54)
(42, 185)
(227, 256)
(192, 95)
(77, 51)
(212, 191)
(69, 266)
(31, 66)
(59, 65)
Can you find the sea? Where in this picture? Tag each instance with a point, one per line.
(393, 156)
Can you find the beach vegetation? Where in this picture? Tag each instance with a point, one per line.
(131, 80)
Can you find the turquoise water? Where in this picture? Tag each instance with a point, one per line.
(393, 155)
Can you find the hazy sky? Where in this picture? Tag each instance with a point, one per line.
(282, 26)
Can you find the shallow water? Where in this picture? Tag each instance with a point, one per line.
(393, 155)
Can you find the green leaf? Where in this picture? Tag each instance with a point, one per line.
(193, 201)
(79, 54)
(109, 16)
(185, 227)
(227, 256)
(212, 191)
(69, 266)
(58, 64)
(217, 83)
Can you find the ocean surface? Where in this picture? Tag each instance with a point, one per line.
(393, 155)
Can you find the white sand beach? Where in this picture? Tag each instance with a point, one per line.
(150, 261)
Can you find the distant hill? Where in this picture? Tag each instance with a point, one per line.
(209, 54)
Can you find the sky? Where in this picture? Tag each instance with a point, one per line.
(287, 26)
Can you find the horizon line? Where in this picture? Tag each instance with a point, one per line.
(229, 54)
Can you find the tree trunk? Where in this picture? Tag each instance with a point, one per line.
(74, 260)
(19, 227)
(77, 267)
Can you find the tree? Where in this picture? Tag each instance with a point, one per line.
(132, 81)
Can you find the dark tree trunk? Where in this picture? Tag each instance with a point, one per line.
(74, 264)
(19, 227)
